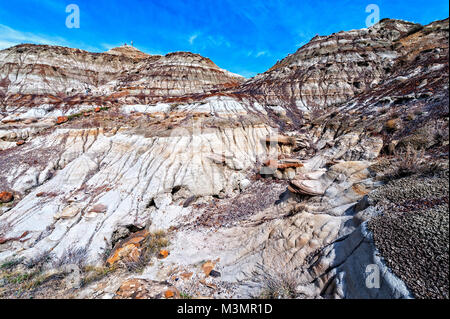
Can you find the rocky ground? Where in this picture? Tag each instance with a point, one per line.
(125, 175)
(413, 232)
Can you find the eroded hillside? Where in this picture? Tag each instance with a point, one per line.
(134, 176)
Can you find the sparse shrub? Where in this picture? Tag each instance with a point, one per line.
(411, 117)
(410, 163)
(22, 281)
(276, 281)
(39, 260)
(72, 256)
(393, 124)
(74, 116)
(92, 273)
(10, 264)
(155, 242)
(184, 295)
(150, 248)
(19, 277)
(174, 106)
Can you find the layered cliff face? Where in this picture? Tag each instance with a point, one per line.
(32, 75)
(173, 175)
(128, 51)
(331, 69)
(46, 70)
(175, 75)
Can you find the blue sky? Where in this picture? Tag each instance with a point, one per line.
(245, 37)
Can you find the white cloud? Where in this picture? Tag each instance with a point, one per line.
(192, 38)
(258, 54)
(218, 41)
(109, 46)
(261, 53)
(10, 37)
(6, 44)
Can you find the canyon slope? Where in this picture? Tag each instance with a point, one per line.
(127, 175)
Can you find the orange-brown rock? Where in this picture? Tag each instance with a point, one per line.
(169, 294)
(97, 109)
(207, 267)
(6, 197)
(61, 119)
(273, 163)
(283, 164)
(163, 253)
(281, 139)
(208, 284)
(287, 163)
(129, 248)
(21, 142)
(186, 275)
(144, 289)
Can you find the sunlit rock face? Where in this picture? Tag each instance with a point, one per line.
(271, 178)
(176, 74)
(38, 74)
(39, 69)
(331, 69)
(70, 171)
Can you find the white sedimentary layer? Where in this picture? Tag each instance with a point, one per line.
(124, 172)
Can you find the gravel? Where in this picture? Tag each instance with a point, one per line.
(413, 233)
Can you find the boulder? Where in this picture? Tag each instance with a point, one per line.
(99, 208)
(243, 184)
(163, 200)
(281, 139)
(163, 253)
(128, 249)
(68, 212)
(135, 288)
(207, 267)
(62, 119)
(6, 197)
(289, 174)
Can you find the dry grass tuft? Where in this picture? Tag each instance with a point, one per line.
(276, 282)
(150, 248)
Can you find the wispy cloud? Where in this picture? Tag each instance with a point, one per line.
(202, 40)
(261, 53)
(109, 46)
(6, 44)
(218, 41)
(10, 37)
(192, 38)
(258, 54)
